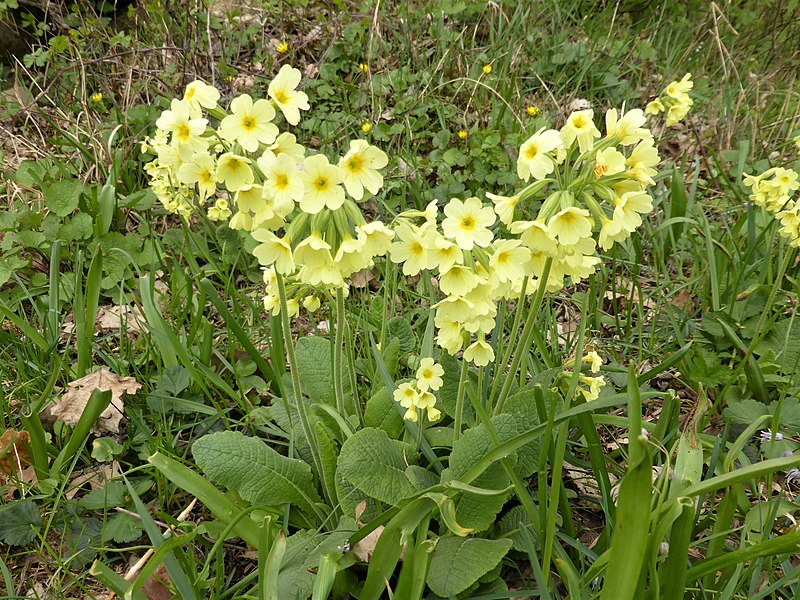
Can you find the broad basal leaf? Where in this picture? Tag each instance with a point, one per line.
(252, 468)
(19, 522)
(62, 197)
(475, 443)
(316, 368)
(382, 413)
(458, 562)
(376, 465)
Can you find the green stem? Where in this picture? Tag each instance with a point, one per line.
(500, 367)
(341, 323)
(462, 380)
(295, 374)
(525, 338)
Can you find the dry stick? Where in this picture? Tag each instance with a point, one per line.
(142, 561)
(66, 69)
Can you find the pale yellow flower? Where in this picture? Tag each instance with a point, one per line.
(321, 182)
(359, 169)
(429, 375)
(250, 123)
(504, 206)
(534, 158)
(201, 95)
(608, 162)
(467, 223)
(458, 281)
(570, 225)
(283, 90)
(201, 170)
(273, 251)
(282, 179)
(234, 171)
(410, 248)
(628, 128)
(179, 121)
(654, 107)
(479, 353)
(509, 259)
(581, 127)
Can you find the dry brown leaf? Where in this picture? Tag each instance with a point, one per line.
(157, 587)
(95, 476)
(15, 460)
(114, 318)
(683, 300)
(71, 405)
(365, 548)
(361, 279)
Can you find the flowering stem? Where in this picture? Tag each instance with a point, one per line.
(462, 381)
(295, 374)
(525, 338)
(500, 367)
(338, 385)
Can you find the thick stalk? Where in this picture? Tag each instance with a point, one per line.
(338, 385)
(501, 366)
(525, 338)
(458, 417)
(295, 375)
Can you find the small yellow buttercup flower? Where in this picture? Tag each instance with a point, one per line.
(487, 69)
(366, 126)
(283, 47)
(533, 110)
(363, 67)
(97, 98)
(462, 134)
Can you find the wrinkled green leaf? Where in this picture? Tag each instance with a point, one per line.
(252, 468)
(376, 465)
(19, 522)
(458, 563)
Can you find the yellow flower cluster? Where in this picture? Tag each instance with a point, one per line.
(593, 385)
(773, 189)
(418, 394)
(299, 206)
(674, 99)
(595, 186)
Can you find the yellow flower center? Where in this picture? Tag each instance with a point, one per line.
(280, 98)
(321, 184)
(427, 374)
(580, 122)
(281, 181)
(468, 223)
(417, 249)
(207, 177)
(600, 170)
(355, 164)
(190, 92)
(531, 152)
(183, 132)
(248, 123)
(502, 258)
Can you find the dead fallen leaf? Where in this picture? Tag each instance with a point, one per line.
(114, 318)
(71, 405)
(157, 587)
(15, 460)
(361, 279)
(365, 548)
(683, 300)
(95, 476)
